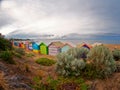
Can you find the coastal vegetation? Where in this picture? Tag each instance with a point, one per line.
(99, 63)
(45, 61)
(6, 51)
(5, 44)
(76, 69)
(116, 54)
(7, 57)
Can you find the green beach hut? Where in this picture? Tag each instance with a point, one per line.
(43, 48)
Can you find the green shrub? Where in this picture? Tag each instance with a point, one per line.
(30, 55)
(20, 51)
(52, 83)
(17, 55)
(5, 44)
(116, 54)
(117, 66)
(45, 61)
(78, 52)
(7, 57)
(102, 62)
(38, 84)
(57, 84)
(67, 65)
(90, 72)
(76, 82)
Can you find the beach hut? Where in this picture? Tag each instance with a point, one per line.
(35, 47)
(20, 44)
(55, 47)
(15, 43)
(27, 45)
(96, 44)
(66, 47)
(43, 48)
(30, 46)
(88, 46)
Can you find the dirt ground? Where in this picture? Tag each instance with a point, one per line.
(112, 46)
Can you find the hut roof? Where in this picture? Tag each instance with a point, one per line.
(57, 44)
(67, 44)
(84, 44)
(96, 44)
(43, 44)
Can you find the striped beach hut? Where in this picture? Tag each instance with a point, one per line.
(65, 47)
(43, 48)
(36, 47)
(27, 45)
(54, 48)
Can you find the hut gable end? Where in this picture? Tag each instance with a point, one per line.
(55, 48)
(43, 48)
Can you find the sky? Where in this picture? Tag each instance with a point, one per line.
(60, 17)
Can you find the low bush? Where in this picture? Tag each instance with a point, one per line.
(19, 51)
(117, 66)
(90, 72)
(61, 83)
(7, 57)
(38, 84)
(45, 61)
(78, 52)
(116, 54)
(5, 44)
(67, 65)
(101, 61)
(17, 55)
(30, 55)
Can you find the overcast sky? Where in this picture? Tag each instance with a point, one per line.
(60, 17)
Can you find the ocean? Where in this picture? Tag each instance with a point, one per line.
(75, 42)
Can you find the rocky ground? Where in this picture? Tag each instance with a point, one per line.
(15, 77)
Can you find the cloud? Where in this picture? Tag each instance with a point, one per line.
(60, 16)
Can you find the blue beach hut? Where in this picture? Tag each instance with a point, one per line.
(66, 47)
(36, 47)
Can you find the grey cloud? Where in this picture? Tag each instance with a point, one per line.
(103, 13)
(5, 19)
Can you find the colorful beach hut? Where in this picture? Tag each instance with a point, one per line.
(55, 47)
(43, 48)
(20, 44)
(15, 43)
(66, 47)
(36, 47)
(30, 46)
(26, 45)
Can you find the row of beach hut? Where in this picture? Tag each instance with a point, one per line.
(53, 48)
